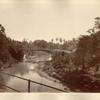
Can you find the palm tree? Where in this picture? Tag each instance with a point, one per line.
(56, 39)
(52, 40)
(60, 40)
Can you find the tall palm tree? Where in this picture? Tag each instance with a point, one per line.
(60, 40)
(52, 40)
(56, 39)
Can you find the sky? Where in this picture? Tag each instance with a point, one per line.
(47, 19)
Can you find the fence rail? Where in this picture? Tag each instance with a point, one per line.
(9, 87)
(28, 83)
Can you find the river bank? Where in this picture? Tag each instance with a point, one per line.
(45, 74)
(34, 71)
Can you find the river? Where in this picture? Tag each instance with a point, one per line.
(27, 70)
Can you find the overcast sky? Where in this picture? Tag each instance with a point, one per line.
(46, 19)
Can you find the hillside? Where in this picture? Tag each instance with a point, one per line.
(10, 50)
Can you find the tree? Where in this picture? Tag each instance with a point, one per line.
(25, 45)
(60, 40)
(82, 52)
(16, 51)
(52, 40)
(96, 27)
(97, 23)
(2, 29)
(41, 44)
(95, 51)
(60, 62)
(56, 39)
(88, 49)
(65, 45)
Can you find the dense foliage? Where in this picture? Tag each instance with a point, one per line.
(80, 70)
(10, 50)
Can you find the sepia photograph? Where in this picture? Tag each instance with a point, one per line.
(50, 46)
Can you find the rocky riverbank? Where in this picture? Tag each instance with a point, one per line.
(49, 74)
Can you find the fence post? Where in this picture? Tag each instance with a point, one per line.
(29, 85)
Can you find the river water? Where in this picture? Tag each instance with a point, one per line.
(27, 70)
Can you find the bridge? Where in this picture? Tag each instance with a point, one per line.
(44, 50)
(53, 50)
(49, 51)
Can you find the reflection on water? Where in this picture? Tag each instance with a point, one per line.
(21, 68)
(27, 70)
